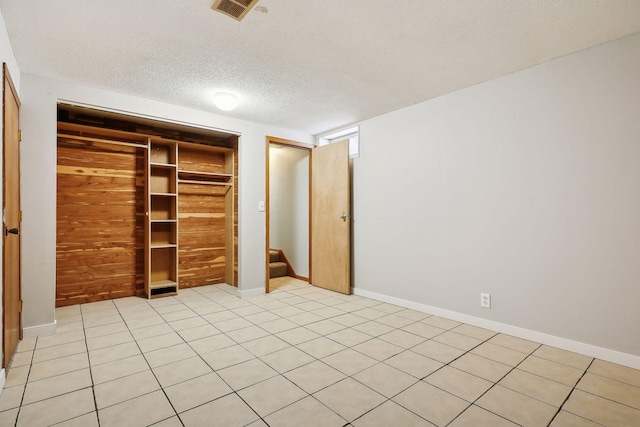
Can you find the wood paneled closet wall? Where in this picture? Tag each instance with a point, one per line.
(143, 207)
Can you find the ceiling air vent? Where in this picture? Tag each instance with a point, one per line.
(236, 9)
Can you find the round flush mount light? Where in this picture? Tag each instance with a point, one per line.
(225, 101)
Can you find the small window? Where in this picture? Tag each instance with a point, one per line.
(352, 134)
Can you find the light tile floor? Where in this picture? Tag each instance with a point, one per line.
(300, 356)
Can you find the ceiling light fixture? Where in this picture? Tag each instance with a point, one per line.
(225, 101)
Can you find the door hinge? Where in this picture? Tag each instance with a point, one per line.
(20, 218)
(20, 306)
(19, 135)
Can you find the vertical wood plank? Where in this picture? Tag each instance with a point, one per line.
(100, 233)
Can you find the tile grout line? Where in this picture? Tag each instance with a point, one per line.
(496, 383)
(570, 393)
(278, 373)
(93, 388)
(233, 390)
(66, 393)
(440, 368)
(387, 399)
(597, 395)
(24, 391)
(518, 392)
(315, 359)
(390, 399)
(282, 374)
(382, 361)
(142, 353)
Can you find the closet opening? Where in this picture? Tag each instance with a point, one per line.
(144, 207)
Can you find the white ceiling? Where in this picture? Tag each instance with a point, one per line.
(305, 64)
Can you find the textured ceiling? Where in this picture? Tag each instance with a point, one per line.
(304, 64)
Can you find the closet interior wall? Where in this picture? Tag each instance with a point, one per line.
(206, 215)
(100, 235)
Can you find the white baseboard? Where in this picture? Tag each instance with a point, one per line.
(3, 380)
(250, 292)
(40, 330)
(602, 353)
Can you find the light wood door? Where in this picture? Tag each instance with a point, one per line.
(331, 217)
(12, 330)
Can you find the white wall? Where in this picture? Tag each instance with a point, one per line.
(6, 56)
(289, 205)
(40, 98)
(527, 187)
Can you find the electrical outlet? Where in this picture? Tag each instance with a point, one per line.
(485, 300)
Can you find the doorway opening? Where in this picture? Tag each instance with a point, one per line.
(287, 211)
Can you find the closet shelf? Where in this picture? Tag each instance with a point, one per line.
(199, 182)
(164, 194)
(162, 245)
(162, 165)
(159, 284)
(204, 176)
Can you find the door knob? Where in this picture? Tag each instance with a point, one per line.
(8, 230)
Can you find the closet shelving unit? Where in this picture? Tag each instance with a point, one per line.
(166, 174)
(162, 243)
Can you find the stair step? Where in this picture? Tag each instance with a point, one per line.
(274, 256)
(277, 269)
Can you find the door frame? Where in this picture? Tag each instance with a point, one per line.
(272, 140)
(7, 84)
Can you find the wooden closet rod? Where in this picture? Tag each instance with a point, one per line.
(189, 181)
(102, 141)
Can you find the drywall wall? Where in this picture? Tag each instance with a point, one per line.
(40, 98)
(289, 205)
(6, 56)
(527, 187)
